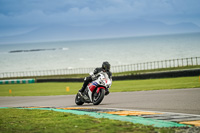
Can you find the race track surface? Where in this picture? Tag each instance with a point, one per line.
(176, 100)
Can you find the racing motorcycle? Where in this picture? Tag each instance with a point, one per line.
(95, 91)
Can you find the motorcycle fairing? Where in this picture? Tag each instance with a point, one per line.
(91, 88)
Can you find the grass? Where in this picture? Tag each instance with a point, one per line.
(40, 89)
(40, 121)
(156, 84)
(45, 89)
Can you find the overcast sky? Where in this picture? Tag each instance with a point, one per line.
(19, 17)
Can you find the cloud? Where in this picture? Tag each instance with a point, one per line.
(32, 14)
(15, 31)
(50, 11)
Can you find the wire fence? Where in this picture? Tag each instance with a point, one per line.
(174, 63)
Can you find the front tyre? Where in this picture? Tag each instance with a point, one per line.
(98, 97)
(78, 100)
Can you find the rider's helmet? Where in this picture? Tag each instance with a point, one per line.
(106, 66)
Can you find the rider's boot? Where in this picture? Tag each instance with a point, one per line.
(83, 87)
(80, 93)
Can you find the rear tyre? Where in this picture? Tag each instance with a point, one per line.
(98, 97)
(78, 100)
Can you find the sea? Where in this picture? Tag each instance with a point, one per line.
(92, 52)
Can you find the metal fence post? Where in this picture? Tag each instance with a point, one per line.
(182, 62)
(187, 61)
(178, 62)
(191, 61)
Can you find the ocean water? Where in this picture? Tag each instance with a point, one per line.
(91, 53)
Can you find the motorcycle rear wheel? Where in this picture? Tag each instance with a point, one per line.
(97, 98)
(78, 100)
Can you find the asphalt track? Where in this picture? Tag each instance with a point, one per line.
(176, 100)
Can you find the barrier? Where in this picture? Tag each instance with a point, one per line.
(17, 81)
(154, 75)
(173, 63)
(157, 75)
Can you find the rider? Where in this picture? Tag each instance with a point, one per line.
(105, 68)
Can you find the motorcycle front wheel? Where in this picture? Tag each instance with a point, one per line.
(98, 97)
(78, 100)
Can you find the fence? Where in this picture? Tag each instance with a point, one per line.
(174, 63)
(193, 61)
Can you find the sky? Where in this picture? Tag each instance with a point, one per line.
(49, 20)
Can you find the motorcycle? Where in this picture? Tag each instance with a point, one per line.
(95, 91)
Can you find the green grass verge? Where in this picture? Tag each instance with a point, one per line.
(22, 120)
(156, 84)
(45, 89)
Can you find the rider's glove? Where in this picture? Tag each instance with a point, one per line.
(93, 77)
